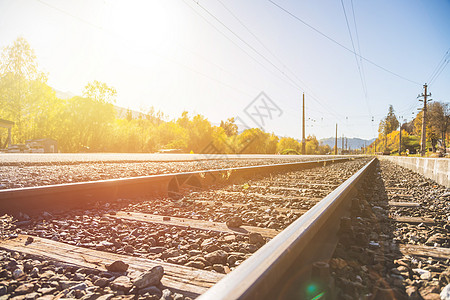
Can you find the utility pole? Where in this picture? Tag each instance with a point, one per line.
(303, 130)
(423, 140)
(335, 142)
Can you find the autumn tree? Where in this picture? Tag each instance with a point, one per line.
(388, 124)
(253, 141)
(288, 144)
(229, 127)
(100, 92)
(439, 119)
(312, 145)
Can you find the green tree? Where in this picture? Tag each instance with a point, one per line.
(87, 123)
(22, 88)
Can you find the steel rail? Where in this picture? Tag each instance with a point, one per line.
(83, 194)
(281, 269)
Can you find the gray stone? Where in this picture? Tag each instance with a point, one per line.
(47, 274)
(65, 284)
(156, 250)
(234, 222)
(195, 264)
(445, 293)
(34, 272)
(151, 277)
(81, 286)
(3, 290)
(122, 283)
(166, 295)
(31, 296)
(24, 289)
(217, 257)
(17, 273)
(256, 238)
(177, 296)
(45, 291)
(101, 282)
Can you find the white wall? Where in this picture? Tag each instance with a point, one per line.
(433, 168)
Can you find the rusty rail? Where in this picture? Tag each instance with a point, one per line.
(283, 268)
(83, 194)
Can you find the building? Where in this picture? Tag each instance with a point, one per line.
(46, 145)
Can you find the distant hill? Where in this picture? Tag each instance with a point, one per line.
(353, 143)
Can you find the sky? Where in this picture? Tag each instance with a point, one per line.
(351, 59)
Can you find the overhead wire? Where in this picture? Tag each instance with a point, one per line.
(341, 45)
(310, 93)
(357, 40)
(262, 44)
(363, 82)
(153, 51)
(246, 43)
(353, 47)
(358, 59)
(440, 67)
(290, 82)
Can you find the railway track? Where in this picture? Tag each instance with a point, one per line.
(244, 232)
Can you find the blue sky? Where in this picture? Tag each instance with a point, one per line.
(215, 57)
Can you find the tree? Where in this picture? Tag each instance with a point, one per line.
(87, 123)
(312, 145)
(439, 119)
(252, 141)
(229, 127)
(22, 87)
(288, 143)
(100, 92)
(388, 124)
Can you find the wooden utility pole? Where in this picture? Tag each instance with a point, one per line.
(423, 140)
(335, 142)
(303, 130)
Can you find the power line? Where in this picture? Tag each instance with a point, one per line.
(357, 37)
(261, 43)
(358, 60)
(246, 43)
(293, 83)
(339, 44)
(363, 82)
(440, 67)
(353, 46)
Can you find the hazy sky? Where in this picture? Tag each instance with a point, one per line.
(213, 57)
